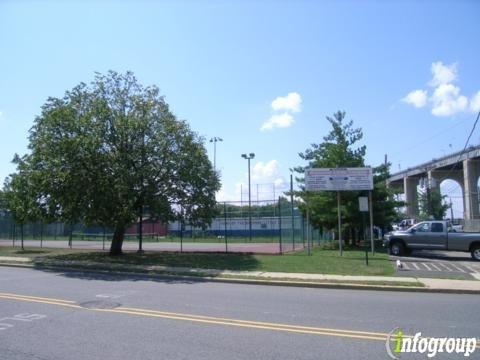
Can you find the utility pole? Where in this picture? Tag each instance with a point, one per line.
(291, 209)
(140, 212)
(214, 140)
(429, 201)
(451, 210)
(249, 157)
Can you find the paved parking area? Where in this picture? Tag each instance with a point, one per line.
(441, 264)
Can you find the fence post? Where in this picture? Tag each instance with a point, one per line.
(103, 240)
(303, 230)
(14, 230)
(181, 233)
(41, 234)
(291, 206)
(280, 223)
(225, 231)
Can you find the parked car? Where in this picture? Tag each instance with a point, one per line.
(432, 235)
(406, 223)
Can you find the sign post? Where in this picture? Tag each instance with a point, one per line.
(308, 228)
(340, 179)
(363, 206)
(371, 223)
(339, 224)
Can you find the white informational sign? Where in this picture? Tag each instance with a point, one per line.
(338, 179)
(363, 203)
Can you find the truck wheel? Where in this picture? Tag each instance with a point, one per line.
(397, 248)
(476, 252)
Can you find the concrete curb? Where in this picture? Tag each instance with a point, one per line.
(246, 281)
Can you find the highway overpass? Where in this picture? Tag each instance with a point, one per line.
(462, 167)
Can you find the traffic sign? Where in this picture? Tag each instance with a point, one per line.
(363, 203)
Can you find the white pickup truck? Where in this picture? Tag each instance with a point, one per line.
(432, 235)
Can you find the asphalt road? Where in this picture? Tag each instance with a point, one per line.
(49, 315)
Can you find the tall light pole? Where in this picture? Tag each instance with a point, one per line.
(249, 157)
(214, 140)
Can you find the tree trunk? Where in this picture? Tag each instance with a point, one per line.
(117, 240)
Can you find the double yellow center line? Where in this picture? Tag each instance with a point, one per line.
(252, 324)
(41, 300)
(205, 319)
(353, 334)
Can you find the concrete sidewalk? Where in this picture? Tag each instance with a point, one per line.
(276, 278)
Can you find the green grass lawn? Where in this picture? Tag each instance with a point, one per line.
(321, 262)
(37, 253)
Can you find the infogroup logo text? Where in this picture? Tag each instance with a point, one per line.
(427, 345)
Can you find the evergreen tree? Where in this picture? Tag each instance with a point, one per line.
(340, 148)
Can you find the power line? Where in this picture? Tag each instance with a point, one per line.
(465, 147)
(417, 144)
(471, 132)
(461, 153)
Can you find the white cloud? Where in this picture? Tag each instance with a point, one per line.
(265, 171)
(447, 100)
(417, 98)
(268, 175)
(288, 104)
(475, 102)
(267, 184)
(291, 102)
(443, 74)
(278, 121)
(224, 195)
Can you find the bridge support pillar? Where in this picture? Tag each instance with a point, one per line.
(470, 193)
(411, 198)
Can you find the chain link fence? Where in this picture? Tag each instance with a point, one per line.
(267, 226)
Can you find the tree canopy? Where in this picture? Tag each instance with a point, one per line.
(106, 152)
(431, 204)
(3, 202)
(340, 148)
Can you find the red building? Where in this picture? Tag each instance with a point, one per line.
(148, 228)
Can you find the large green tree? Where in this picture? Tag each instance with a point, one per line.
(19, 197)
(340, 148)
(107, 152)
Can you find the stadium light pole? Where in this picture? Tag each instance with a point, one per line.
(249, 157)
(214, 140)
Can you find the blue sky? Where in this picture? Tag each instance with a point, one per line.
(405, 71)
